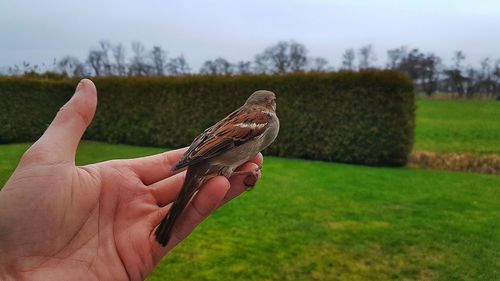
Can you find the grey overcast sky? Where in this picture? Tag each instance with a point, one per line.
(39, 31)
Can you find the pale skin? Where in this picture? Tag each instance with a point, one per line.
(59, 221)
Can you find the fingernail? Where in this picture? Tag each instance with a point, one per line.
(79, 86)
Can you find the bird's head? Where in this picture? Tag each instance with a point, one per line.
(263, 98)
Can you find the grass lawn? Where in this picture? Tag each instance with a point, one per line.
(458, 126)
(309, 220)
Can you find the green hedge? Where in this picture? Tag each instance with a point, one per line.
(366, 117)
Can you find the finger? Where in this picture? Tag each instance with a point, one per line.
(167, 190)
(61, 138)
(203, 204)
(258, 159)
(151, 169)
(238, 185)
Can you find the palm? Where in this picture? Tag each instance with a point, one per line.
(95, 221)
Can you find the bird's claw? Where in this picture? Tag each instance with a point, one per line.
(251, 177)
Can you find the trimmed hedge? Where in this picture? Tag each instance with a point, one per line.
(364, 117)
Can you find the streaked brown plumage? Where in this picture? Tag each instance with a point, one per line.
(220, 149)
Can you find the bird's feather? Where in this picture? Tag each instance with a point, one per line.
(191, 184)
(223, 136)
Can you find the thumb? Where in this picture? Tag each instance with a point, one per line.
(63, 135)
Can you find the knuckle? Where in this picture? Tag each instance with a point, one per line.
(200, 213)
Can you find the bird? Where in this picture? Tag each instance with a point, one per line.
(221, 148)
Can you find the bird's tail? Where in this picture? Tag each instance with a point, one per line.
(191, 184)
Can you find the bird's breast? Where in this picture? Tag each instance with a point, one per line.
(235, 157)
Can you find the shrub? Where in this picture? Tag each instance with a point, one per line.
(366, 117)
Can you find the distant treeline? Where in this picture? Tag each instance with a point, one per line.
(426, 70)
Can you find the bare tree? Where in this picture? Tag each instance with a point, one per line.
(274, 58)
(423, 69)
(366, 56)
(496, 78)
(226, 68)
(430, 73)
(396, 56)
(98, 59)
(106, 63)
(71, 66)
(120, 66)
(411, 64)
(208, 68)
(26, 67)
(348, 59)
(319, 64)
(486, 83)
(138, 64)
(243, 67)
(95, 59)
(219, 66)
(486, 67)
(456, 80)
(178, 66)
(159, 57)
(297, 56)
(14, 70)
(261, 65)
(458, 57)
(282, 57)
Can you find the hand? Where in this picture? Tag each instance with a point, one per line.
(59, 221)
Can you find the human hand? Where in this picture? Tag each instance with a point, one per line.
(59, 221)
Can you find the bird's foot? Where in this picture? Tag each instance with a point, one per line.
(251, 177)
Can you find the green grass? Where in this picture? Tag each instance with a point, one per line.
(88, 152)
(310, 220)
(458, 126)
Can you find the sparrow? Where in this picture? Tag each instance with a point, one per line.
(220, 149)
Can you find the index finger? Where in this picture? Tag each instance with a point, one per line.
(151, 169)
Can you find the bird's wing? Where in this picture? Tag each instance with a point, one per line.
(234, 130)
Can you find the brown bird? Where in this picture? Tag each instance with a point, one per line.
(220, 149)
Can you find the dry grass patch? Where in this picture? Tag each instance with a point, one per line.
(463, 162)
